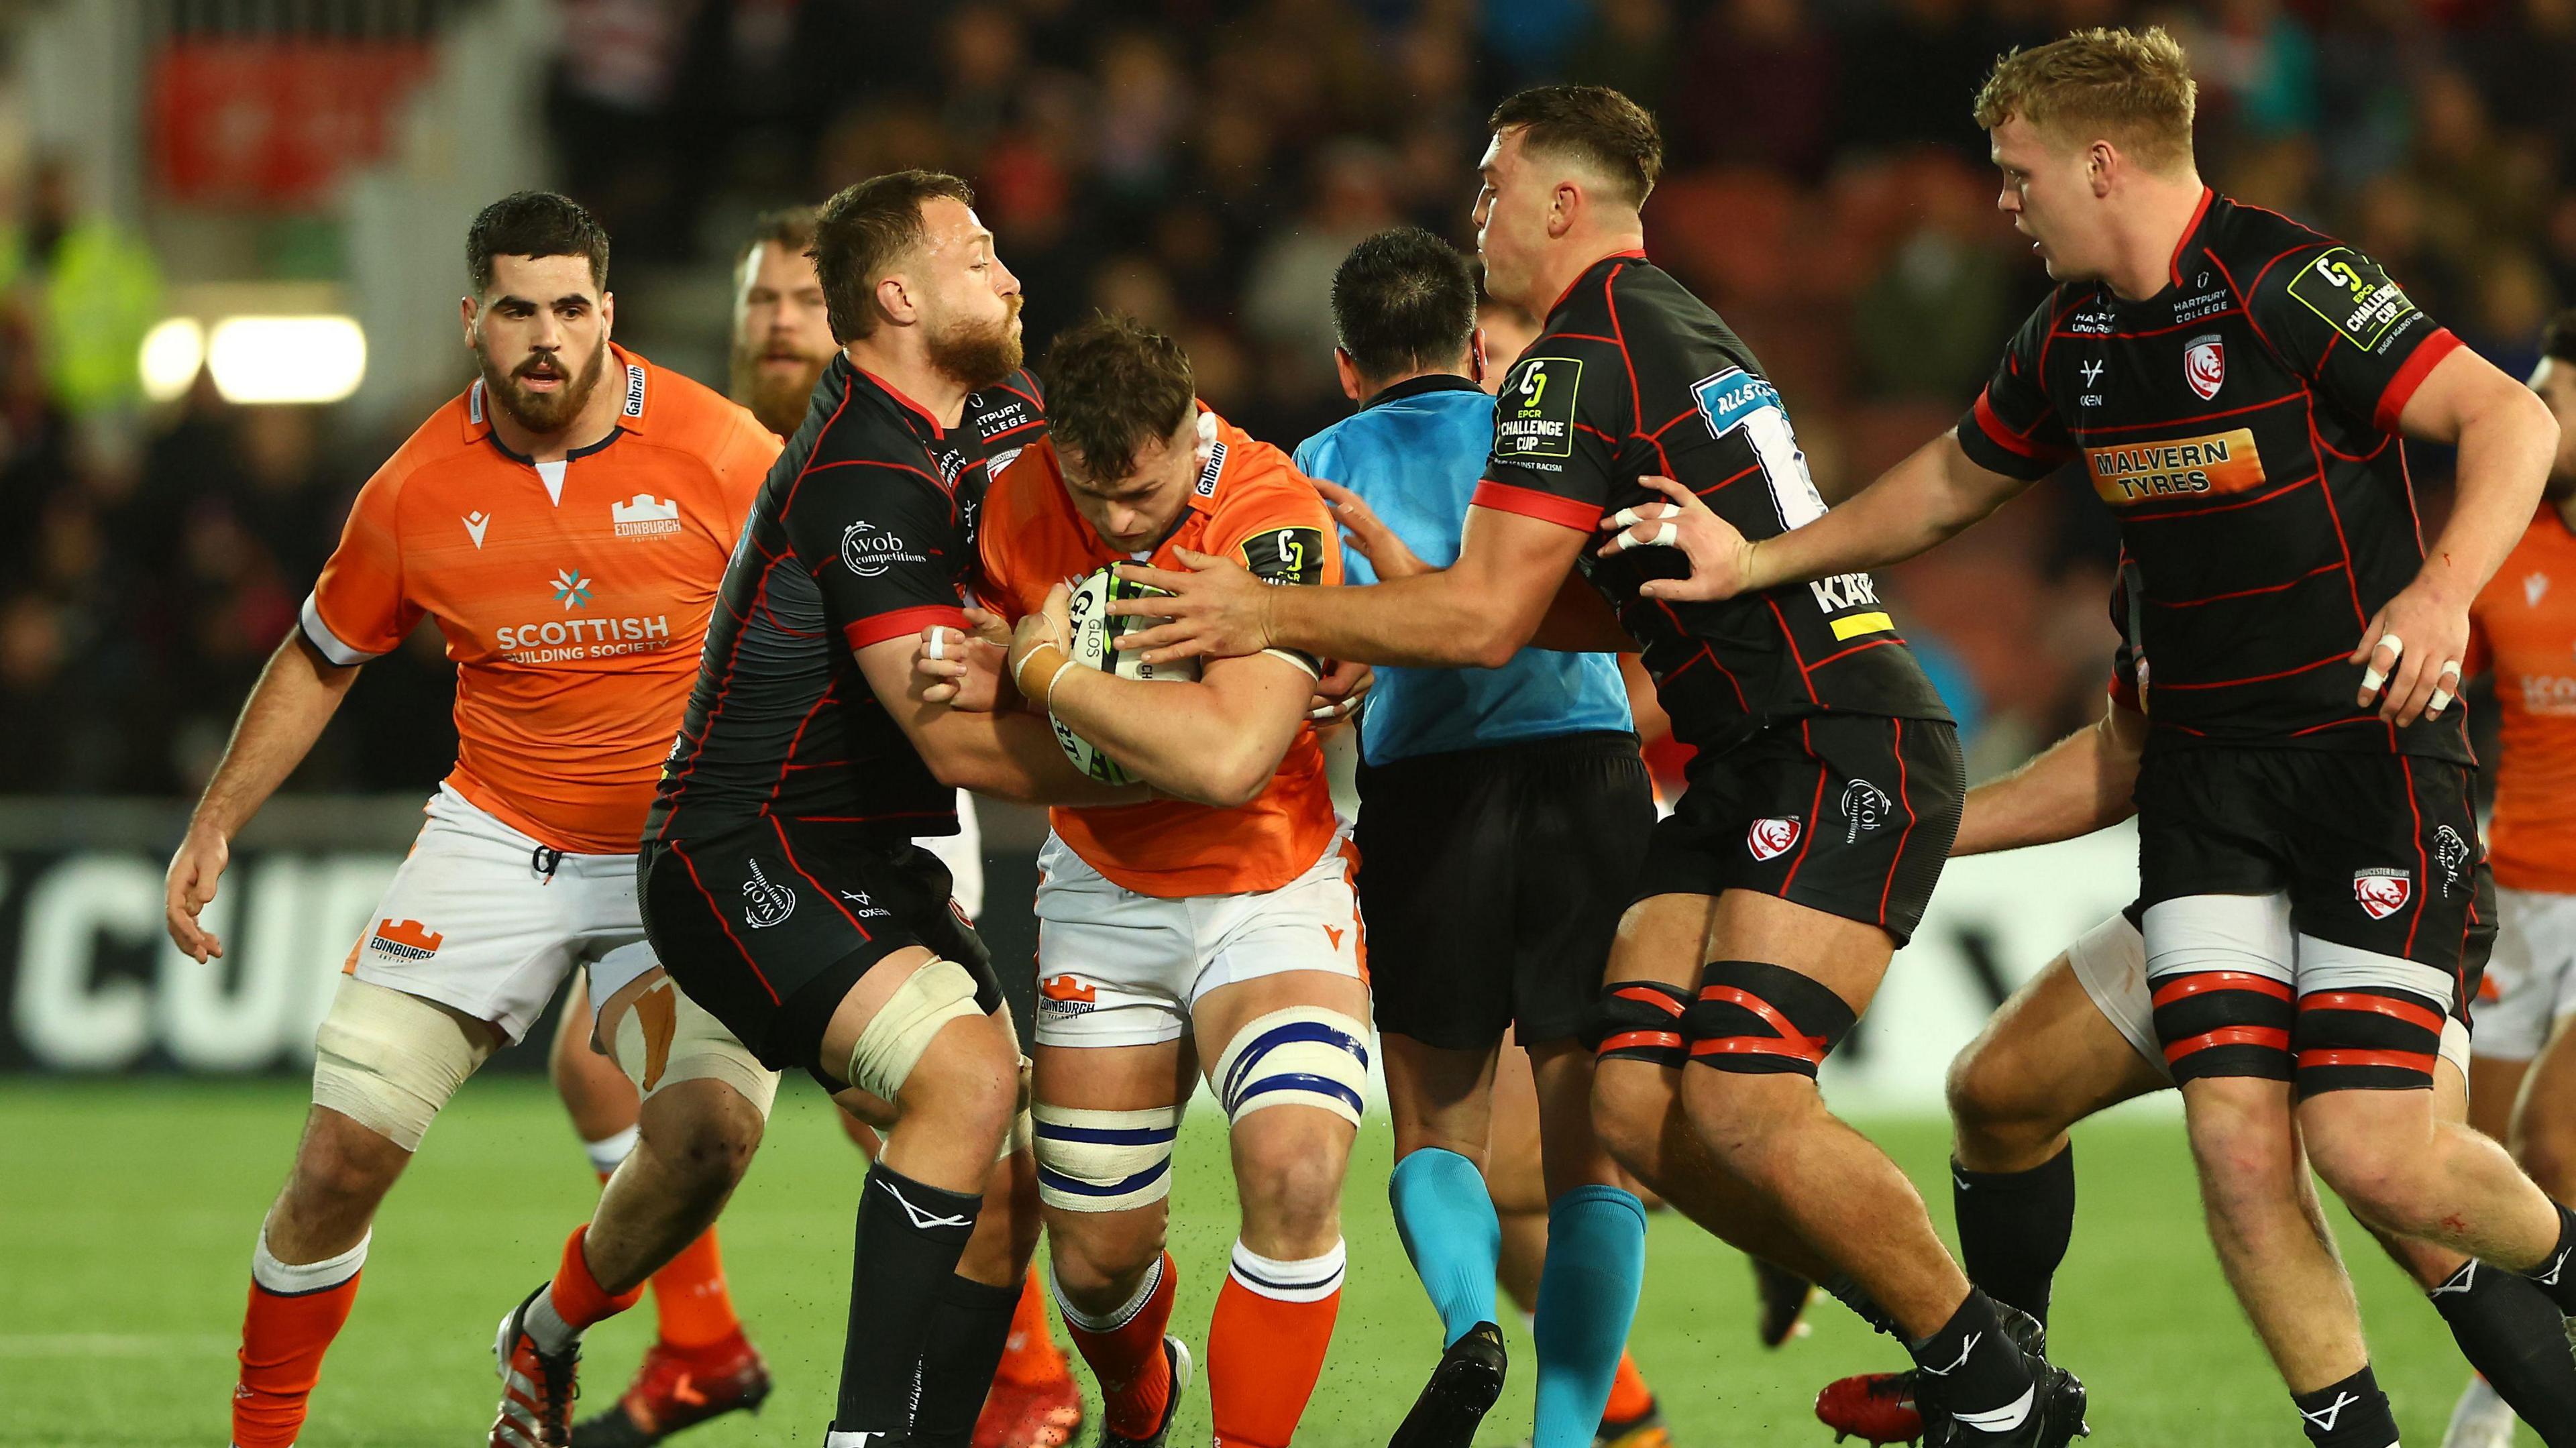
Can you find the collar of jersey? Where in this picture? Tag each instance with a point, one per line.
(479, 398)
(1631, 254)
(2190, 229)
(899, 400)
(1416, 386)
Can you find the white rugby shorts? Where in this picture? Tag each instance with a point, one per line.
(2533, 973)
(489, 921)
(2110, 962)
(1116, 968)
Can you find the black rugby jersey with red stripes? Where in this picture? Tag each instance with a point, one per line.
(2242, 425)
(1633, 376)
(864, 531)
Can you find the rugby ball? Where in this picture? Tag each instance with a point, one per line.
(1095, 637)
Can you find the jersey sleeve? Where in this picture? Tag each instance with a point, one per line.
(2337, 319)
(2014, 427)
(741, 462)
(358, 609)
(1558, 422)
(881, 544)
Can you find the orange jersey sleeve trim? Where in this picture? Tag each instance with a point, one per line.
(902, 621)
(1572, 513)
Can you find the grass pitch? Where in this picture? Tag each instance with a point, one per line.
(128, 1210)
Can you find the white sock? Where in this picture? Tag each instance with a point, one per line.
(1311, 1280)
(1115, 1319)
(608, 1151)
(291, 1278)
(545, 1326)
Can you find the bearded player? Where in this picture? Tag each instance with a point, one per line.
(1827, 781)
(1213, 930)
(700, 1365)
(2238, 388)
(564, 522)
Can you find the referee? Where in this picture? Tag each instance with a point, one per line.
(1503, 815)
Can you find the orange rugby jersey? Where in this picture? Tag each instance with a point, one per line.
(2523, 626)
(1249, 504)
(574, 595)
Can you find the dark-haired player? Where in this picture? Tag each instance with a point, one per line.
(2236, 387)
(778, 877)
(1503, 816)
(1827, 782)
(565, 522)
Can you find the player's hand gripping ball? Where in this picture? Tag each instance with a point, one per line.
(1094, 632)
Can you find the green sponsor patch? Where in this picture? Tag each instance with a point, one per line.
(1286, 555)
(1535, 415)
(2354, 296)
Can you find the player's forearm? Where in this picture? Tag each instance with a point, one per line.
(1186, 739)
(2506, 448)
(1436, 620)
(1009, 756)
(1930, 496)
(295, 697)
(2080, 784)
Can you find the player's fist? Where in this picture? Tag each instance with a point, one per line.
(1050, 627)
(1721, 561)
(1339, 692)
(962, 670)
(2413, 649)
(1215, 608)
(1367, 535)
(190, 887)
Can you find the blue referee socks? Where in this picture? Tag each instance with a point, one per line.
(1447, 1221)
(1587, 1295)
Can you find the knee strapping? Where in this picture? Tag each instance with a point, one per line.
(665, 1038)
(1755, 1019)
(2223, 1023)
(902, 1029)
(1300, 1056)
(1104, 1161)
(389, 1061)
(1641, 1020)
(2368, 1038)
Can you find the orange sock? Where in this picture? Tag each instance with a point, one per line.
(690, 1298)
(1629, 1395)
(1125, 1350)
(1266, 1344)
(294, 1312)
(576, 1296)
(1029, 1355)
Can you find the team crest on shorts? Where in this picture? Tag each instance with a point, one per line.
(1771, 838)
(2383, 893)
(1062, 995)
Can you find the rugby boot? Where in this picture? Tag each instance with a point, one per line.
(1644, 1430)
(676, 1388)
(2055, 1404)
(537, 1387)
(2481, 1419)
(1880, 1407)
(1462, 1389)
(1030, 1415)
(1177, 1354)
(1784, 1296)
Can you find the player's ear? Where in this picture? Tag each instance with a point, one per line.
(894, 299)
(1476, 355)
(1346, 374)
(1562, 207)
(2099, 159)
(465, 313)
(607, 313)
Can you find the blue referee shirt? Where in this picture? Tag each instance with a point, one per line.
(1414, 453)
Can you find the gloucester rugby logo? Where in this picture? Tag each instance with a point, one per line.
(2382, 893)
(1771, 838)
(2204, 365)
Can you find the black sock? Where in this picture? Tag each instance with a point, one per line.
(2556, 1273)
(2350, 1414)
(2510, 1331)
(2014, 1227)
(1851, 1294)
(910, 1235)
(1973, 1370)
(969, 1327)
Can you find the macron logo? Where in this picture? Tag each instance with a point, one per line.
(475, 523)
(644, 515)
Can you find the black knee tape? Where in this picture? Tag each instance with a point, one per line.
(2368, 1038)
(1758, 1019)
(1641, 1020)
(2224, 1023)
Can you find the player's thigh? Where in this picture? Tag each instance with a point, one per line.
(2072, 1040)
(1640, 1045)
(1442, 1098)
(1581, 820)
(1438, 897)
(1515, 1158)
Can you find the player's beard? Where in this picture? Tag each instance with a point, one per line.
(978, 354)
(543, 413)
(776, 396)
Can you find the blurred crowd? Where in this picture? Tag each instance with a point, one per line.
(1204, 165)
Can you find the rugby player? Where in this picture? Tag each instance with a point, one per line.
(778, 876)
(565, 522)
(1504, 816)
(2522, 1079)
(1213, 928)
(2236, 387)
(2079, 1037)
(1827, 782)
(699, 1365)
